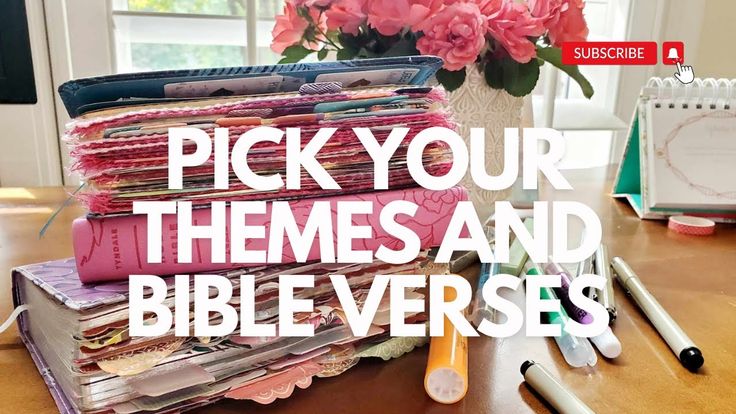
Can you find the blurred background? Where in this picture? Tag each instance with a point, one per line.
(70, 39)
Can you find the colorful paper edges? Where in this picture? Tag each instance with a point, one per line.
(277, 386)
(139, 360)
(393, 348)
(159, 384)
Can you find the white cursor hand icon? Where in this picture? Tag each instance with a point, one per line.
(684, 74)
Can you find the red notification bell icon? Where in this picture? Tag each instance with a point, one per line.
(673, 53)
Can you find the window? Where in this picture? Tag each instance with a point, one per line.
(607, 21)
(589, 139)
(184, 34)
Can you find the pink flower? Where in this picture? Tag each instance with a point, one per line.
(390, 16)
(548, 11)
(510, 23)
(571, 26)
(346, 15)
(456, 34)
(290, 27)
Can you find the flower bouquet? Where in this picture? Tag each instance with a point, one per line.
(508, 40)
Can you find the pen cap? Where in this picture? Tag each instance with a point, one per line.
(577, 351)
(607, 343)
(446, 378)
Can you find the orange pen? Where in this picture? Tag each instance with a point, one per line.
(446, 378)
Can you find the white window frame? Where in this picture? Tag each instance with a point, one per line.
(658, 21)
(231, 33)
(562, 113)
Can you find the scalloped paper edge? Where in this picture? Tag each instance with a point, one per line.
(393, 348)
(278, 386)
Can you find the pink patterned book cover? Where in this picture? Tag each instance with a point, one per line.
(112, 248)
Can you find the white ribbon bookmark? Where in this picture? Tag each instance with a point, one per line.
(13, 316)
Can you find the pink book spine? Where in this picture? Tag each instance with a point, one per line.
(112, 248)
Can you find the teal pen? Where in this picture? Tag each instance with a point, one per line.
(341, 106)
(577, 351)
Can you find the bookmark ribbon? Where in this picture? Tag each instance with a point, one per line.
(58, 210)
(13, 316)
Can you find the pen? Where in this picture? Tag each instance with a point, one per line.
(551, 390)
(577, 351)
(446, 377)
(688, 354)
(481, 310)
(585, 268)
(461, 260)
(517, 253)
(607, 343)
(603, 268)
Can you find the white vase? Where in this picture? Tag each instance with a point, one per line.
(477, 105)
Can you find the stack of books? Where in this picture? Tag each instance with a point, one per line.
(77, 323)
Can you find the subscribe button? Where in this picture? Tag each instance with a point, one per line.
(609, 53)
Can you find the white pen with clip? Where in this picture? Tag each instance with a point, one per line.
(684, 347)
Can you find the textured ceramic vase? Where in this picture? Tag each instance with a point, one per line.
(477, 105)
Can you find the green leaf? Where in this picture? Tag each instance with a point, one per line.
(451, 79)
(493, 73)
(294, 53)
(404, 47)
(346, 53)
(553, 55)
(365, 53)
(322, 54)
(519, 79)
(349, 41)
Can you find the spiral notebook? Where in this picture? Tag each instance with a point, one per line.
(680, 155)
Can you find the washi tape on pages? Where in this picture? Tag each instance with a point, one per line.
(319, 88)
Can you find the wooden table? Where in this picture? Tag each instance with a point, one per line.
(692, 277)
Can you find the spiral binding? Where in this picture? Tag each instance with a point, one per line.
(709, 93)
